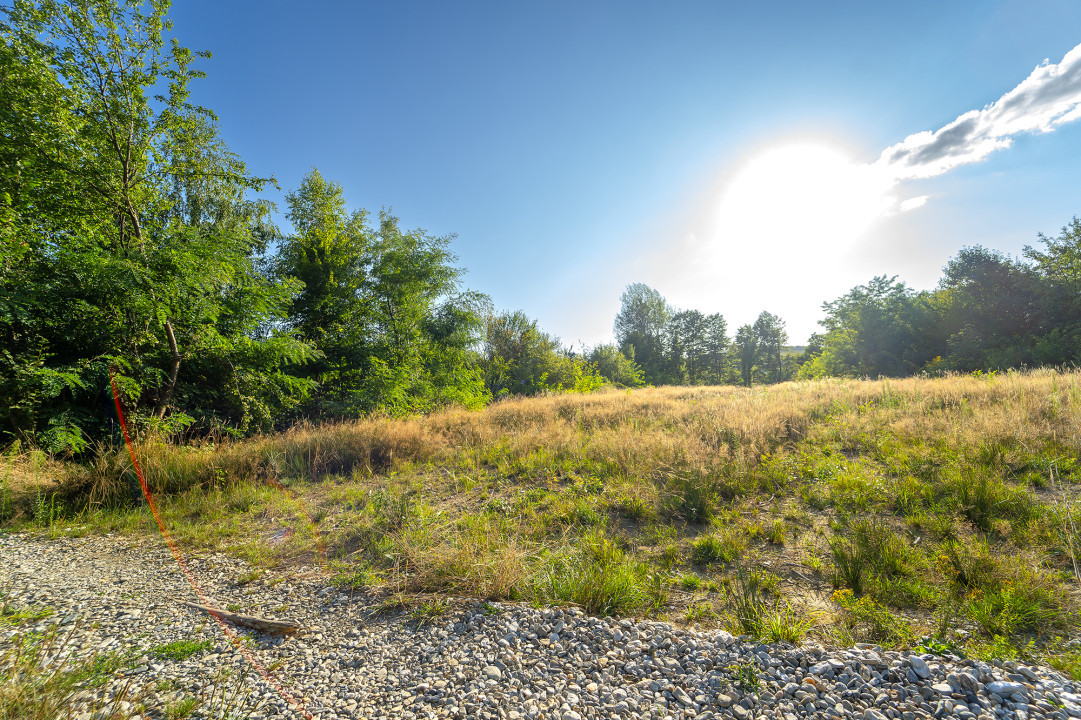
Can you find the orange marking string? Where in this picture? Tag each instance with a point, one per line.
(228, 631)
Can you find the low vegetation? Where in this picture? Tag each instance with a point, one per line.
(933, 512)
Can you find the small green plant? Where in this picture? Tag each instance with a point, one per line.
(691, 497)
(867, 621)
(428, 611)
(601, 579)
(636, 507)
(701, 612)
(180, 650)
(937, 645)
(40, 678)
(351, 577)
(872, 550)
(691, 582)
(715, 550)
(181, 708)
(745, 676)
(17, 616)
(249, 577)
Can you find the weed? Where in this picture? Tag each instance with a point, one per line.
(690, 497)
(716, 550)
(701, 612)
(17, 616)
(350, 577)
(872, 550)
(869, 621)
(600, 579)
(182, 708)
(746, 676)
(783, 624)
(691, 582)
(41, 679)
(180, 650)
(428, 611)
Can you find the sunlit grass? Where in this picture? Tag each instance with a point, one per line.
(602, 499)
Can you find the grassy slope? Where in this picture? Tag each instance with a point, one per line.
(851, 510)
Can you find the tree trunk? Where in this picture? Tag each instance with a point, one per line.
(174, 369)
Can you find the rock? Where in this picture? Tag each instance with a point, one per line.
(1004, 689)
(919, 666)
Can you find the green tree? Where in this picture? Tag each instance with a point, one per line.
(745, 350)
(383, 306)
(1058, 265)
(522, 359)
(874, 329)
(102, 164)
(616, 367)
(640, 329)
(769, 331)
(989, 310)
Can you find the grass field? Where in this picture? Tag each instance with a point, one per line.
(942, 513)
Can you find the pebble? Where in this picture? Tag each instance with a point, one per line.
(493, 661)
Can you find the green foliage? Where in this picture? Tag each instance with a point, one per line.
(520, 359)
(127, 238)
(180, 650)
(640, 329)
(870, 554)
(615, 367)
(867, 621)
(716, 550)
(383, 307)
(602, 580)
(754, 610)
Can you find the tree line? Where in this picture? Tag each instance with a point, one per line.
(989, 312)
(132, 248)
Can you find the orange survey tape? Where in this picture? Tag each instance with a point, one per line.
(229, 632)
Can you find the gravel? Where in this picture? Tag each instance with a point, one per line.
(477, 660)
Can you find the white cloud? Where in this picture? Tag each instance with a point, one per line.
(1049, 97)
(913, 203)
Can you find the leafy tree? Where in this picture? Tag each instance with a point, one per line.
(423, 323)
(872, 330)
(126, 254)
(745, 349)
(330, 254)
(521, 359)
(383, 306)
(989, 310)
(715, 354)
(1059, 267)
(771, 338)
(616, 367)
(640, 329)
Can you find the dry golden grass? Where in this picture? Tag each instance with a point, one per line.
(617, 434)
(500, 502)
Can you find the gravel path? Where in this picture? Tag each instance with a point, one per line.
(476, 660)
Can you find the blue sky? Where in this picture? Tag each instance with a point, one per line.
(738, 158)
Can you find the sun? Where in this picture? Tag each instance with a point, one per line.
(799, 201)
